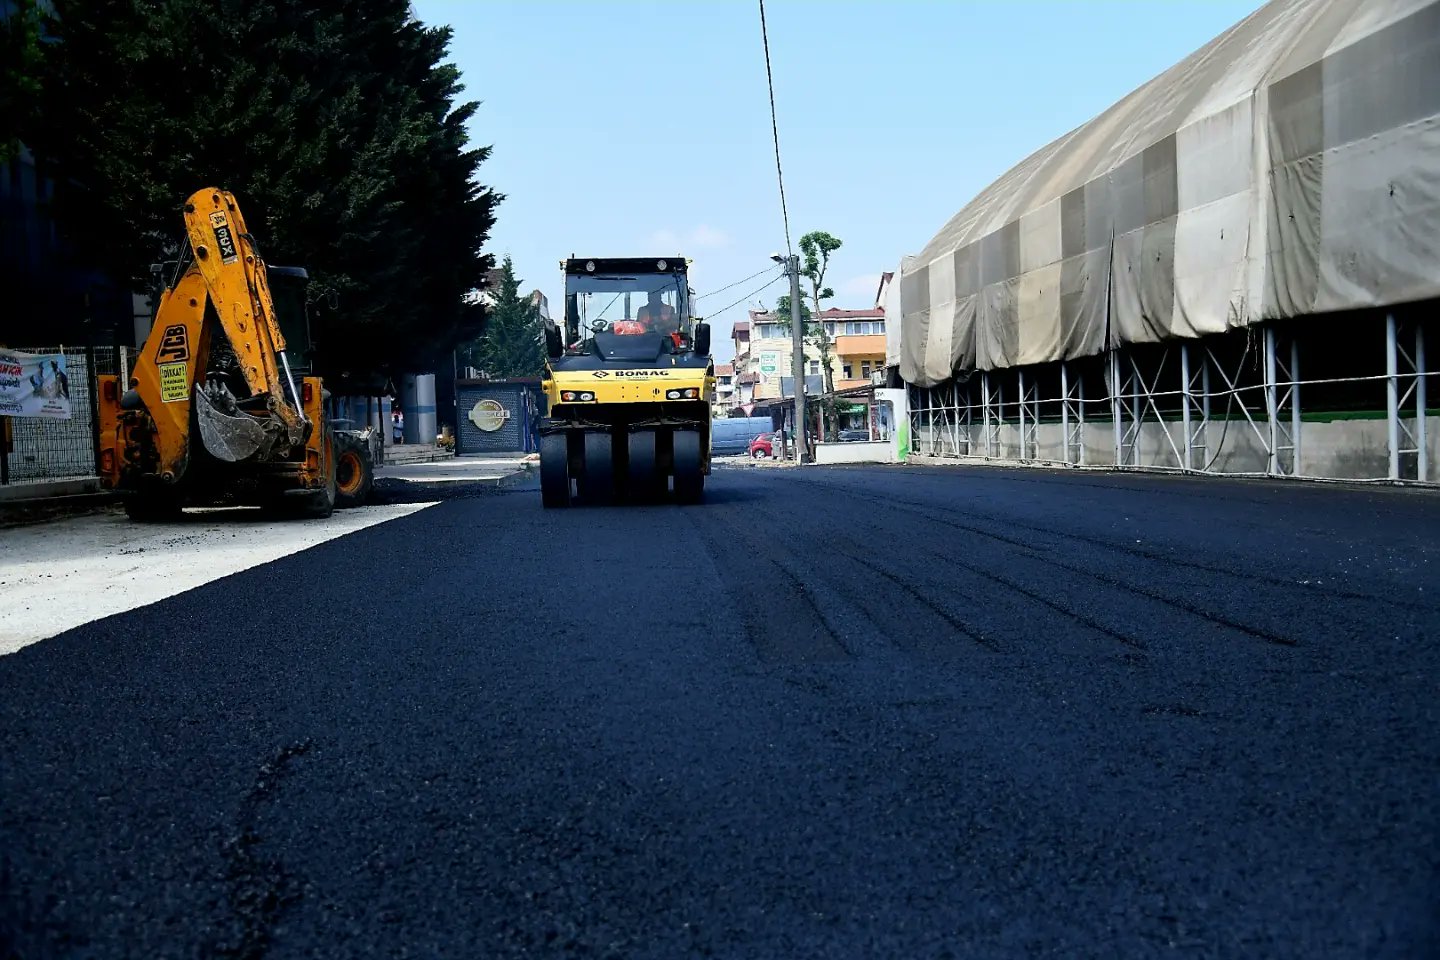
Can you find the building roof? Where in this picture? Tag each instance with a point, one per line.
(869, 313)
(885, 279)
(725, 370)
(834, 313)
(1199, 202)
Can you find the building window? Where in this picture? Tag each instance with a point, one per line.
(865, 369)
(845, 372)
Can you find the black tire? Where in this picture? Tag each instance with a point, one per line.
(599, 468)
(354, 471)
(643, 476)
(316, 504)
(152, 508)
(554, 470)
(689, 467)
(321, 503)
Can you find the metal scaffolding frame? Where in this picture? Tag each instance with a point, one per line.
(1229, 404)
(994, 414)
(1072, 415)
(1405, 368)
(1029, 403)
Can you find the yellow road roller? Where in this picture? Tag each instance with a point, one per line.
(628, 386)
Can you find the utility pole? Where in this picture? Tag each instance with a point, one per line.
(797, 359)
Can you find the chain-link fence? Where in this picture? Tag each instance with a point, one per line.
(36, 448)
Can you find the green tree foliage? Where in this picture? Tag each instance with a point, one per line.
(334, 122)
(782, 313)
(815, 250)
(20, 54)
(513, 342)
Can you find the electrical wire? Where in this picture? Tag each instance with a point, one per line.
(748, 296)
(775, 128)
(737, 283)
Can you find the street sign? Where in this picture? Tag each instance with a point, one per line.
(769, 363)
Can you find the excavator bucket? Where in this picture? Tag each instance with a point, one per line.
(226, 436)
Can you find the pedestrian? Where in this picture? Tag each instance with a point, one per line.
(398, 426)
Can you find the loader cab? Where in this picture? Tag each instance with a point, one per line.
(287, 291)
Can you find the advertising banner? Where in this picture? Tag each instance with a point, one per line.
(34, 385)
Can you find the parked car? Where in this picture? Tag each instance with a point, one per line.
(762, 446)
(853, 434)
(733, 434)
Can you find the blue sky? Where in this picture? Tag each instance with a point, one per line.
(643, 128)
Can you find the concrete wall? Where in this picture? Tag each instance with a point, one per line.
(417, 402)
(514, 436)
(876, 451)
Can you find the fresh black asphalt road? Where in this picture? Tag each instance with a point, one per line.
(871, 712)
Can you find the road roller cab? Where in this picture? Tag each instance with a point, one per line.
(628, 384)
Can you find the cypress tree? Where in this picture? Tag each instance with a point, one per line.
(513, 342)
(335, 123)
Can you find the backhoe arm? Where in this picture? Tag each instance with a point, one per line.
(236, 281)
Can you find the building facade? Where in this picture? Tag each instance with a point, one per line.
(857, 354)
(724, 389)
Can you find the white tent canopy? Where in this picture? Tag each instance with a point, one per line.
(1289, 167)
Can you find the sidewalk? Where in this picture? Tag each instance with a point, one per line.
(415, 453)
(476, 468)
(38, 490)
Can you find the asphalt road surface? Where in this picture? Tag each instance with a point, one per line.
(873, 712)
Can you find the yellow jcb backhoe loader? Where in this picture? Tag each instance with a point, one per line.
(212, 414)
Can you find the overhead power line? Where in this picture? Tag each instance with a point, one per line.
(749, 296)
(736, 283)
(775, 128)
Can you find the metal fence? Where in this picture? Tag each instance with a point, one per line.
(34, 449)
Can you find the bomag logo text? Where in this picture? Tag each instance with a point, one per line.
(642, 373)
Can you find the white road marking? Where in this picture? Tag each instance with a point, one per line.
(59, 575)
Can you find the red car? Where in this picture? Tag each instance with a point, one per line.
(760, 446)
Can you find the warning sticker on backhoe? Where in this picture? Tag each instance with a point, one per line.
(223, 239)
(174, 383)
